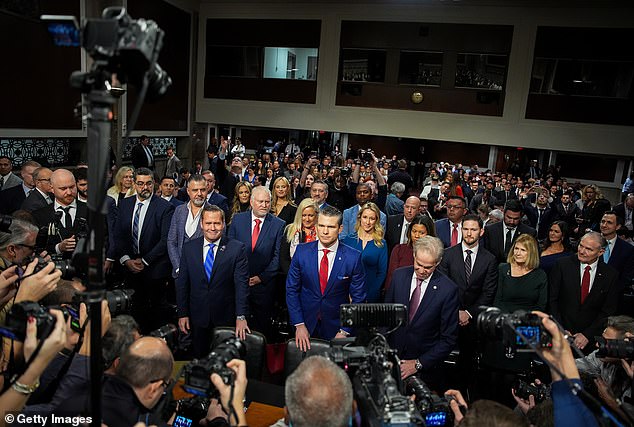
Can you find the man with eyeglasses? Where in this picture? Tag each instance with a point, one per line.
(449, 230)
(432, 300)
(40, 196)
(11, 200)
(141, 232)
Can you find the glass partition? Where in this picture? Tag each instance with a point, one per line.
(481, 71)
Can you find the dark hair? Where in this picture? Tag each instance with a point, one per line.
(619, 219)
(513, 206)
(331, 211)
(421, 220)
(80, 174)
(118, 337)
(462, 199)
(196, 178)
(473, 217)
(565, 235)
(138, 370)
(62, 294)
(184, 170)
(144, 172)
(168, 177)
(213, 208)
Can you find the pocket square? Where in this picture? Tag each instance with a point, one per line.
(343, 277)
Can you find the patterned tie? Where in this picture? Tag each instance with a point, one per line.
(323, 271)
(585, 284)
(467, 264)
(414, 301)
(606, 254)
(135, 228)
(1, 182)
(209, 260)
(68, 220)
(454, 235)
(255, 234)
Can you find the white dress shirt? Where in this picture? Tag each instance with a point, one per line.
(423, 287)
(73, 212)
(404, 231)
(331, 255)
(593, 272)
(192, 221)
(206, 248)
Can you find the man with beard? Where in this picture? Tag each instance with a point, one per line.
(185, 221)
(141, 247)
(364, 195)
(81, 178)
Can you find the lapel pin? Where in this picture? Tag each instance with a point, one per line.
(435, 287)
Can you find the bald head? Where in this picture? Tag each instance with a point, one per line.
(411, 207)
(64, 186)
(147, 359)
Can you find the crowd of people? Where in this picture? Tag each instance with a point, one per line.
(289, 234)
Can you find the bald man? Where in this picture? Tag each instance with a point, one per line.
(396, 231)
(65, 217)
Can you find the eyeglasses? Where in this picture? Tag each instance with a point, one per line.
(144, 184)
(166, 383)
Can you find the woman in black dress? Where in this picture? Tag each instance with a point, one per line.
(282, 205)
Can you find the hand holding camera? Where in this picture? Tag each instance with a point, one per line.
(36, 286)
(239, 368)
(7, 288)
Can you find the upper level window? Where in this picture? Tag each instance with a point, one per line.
(233, 61)
(420, 68)
(481, 71)
(290, 63)
(363, 65)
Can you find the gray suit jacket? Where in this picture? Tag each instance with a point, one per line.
(11, 180)
(172, 166)
(176, 236)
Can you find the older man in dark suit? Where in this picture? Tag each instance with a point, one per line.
(432, 298)
(396, 230)
(499, 237)
(261, 233)
(41, 194)
(584, 291)
(12, 198)
(213, 283)
(141, 231)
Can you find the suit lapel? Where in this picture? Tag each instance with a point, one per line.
(149, 217)
(264, 229)
(428, 298)
(220, 254)
(336, 267)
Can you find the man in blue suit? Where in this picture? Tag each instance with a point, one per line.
(322, 276)
(432, 298)
(618, 253)
(213, 283)
(213, 196)
(261, 233)
(168, 184)
(141, 231)
(449, 230)
(186, 219)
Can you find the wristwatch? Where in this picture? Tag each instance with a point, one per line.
(418, 366)
(241, 318)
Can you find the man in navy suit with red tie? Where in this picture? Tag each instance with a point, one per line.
(323, 275)
(213, 283)
(432, 298)
(261, 233)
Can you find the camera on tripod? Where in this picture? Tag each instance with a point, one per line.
(513, 329)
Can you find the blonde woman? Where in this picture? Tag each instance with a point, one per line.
(301, 230)
(242, 198)
(368, 239)
(123, 184)
(282, 205)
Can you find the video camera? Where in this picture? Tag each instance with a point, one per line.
(433, 408)
(618, 349)
(118, 44)
(510, 327)
(198, 371)
(373, 367)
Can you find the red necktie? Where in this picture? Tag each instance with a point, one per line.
(585, 284)
(454, 235)
(323, 271)
(255, 234)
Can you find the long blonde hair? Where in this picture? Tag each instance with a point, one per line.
(296, 226)
(377, 233)
(236, 198)
(287, 198)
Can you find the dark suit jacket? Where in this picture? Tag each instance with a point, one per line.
(303, 292)
(494, 238)
(214, 302)
(483, 281)
(501, 198)
(622, 260)
(34, 201)
(153, 237)
(547, 218)
(443, 231)
(264, 261)
(46, 215)
(433, 332)
(139, 157)
(590, 317)
(220, 201)
(11, 199)
(618, 209)
(393, 231)
(175, 202)
(567, 216)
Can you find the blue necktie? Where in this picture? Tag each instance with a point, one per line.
(135, 228)
(209, 260)
(606, 254)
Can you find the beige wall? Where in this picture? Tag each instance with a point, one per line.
(511, 129)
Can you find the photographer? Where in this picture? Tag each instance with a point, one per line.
(381, 197)
(610, 369)
(14, 398)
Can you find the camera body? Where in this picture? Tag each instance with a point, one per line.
(198, 371)
(523, 389)
(190, 411)
(507, 327)
(434, 409)
(366, 155)
(15, 324)
(168, 333)
(618, 349)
